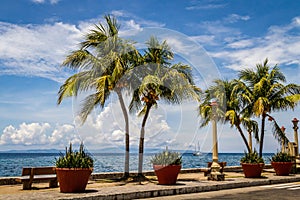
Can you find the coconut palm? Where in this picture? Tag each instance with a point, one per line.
(163, 81)
(229, 108)
(263, 91)
(103, 59)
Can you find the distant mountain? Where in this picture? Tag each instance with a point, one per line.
(34, 151)
(104, 150)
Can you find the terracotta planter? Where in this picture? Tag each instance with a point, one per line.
(252, 170)
(282, 168)
(167, 175)
(73, 180)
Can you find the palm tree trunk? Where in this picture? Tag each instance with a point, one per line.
(250, 141)
(262, 134)
(243, 136)
(125, 114)
(141, 145)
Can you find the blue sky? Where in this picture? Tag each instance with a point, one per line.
(215, 37)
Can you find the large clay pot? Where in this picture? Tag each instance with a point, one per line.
(282, 168)
(252, 170)
(167, 175)
(73, 179)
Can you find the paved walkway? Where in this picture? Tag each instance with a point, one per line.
(107, 189)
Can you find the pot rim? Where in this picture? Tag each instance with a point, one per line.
(65, 168)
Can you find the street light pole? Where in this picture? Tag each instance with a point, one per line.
(215, 166)
(295, 127)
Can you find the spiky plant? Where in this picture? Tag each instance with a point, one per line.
(252, 158)
(75, 159)
(281, 157)
(167, 158)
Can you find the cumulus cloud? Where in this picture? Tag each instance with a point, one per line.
(165, 126)
(106, 128)
(39, 134)
(27, 134)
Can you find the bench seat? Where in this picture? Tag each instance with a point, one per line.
(38, 174)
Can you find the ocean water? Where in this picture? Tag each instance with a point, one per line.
(11, 164)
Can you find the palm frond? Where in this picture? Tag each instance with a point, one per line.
(135, 102)
(277, 131)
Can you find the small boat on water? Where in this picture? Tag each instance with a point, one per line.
(197, 151)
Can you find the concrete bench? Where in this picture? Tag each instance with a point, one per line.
(37, 174)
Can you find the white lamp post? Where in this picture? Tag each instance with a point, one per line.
(215, 166)
(295, 123)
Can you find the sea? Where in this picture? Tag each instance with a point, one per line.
(11, 164)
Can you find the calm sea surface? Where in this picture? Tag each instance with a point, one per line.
(11, 163)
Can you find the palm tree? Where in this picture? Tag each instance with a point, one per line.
(263, 92)
(172, 84)
(251, 127)
(229, 109)
(103, 59)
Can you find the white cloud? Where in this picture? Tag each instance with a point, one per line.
(36, 50)
(280, 45)
(106, 129)
(39, 50)
(54, 1)
(44, 1)
(63, 134)
(205, 39)
(38, 1)
(220, 32)
(205, 5)
(235, 17)
(27, 134)
(165, 126)
(132, 24)
(39, 134)
(130, 28)
(241, 44)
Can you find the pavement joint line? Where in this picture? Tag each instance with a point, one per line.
(279, 185)
(294, 188)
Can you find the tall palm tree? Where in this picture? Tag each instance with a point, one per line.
(163, 81)
(229, 108)
(263, 91)
(103, 59)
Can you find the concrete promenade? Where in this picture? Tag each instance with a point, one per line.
(188, 182)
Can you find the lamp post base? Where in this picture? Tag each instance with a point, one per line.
(216, 177)
(215, 174)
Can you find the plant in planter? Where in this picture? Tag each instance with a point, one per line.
(282, 163)
(167, 166)
(252, 165)
(74, 169)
